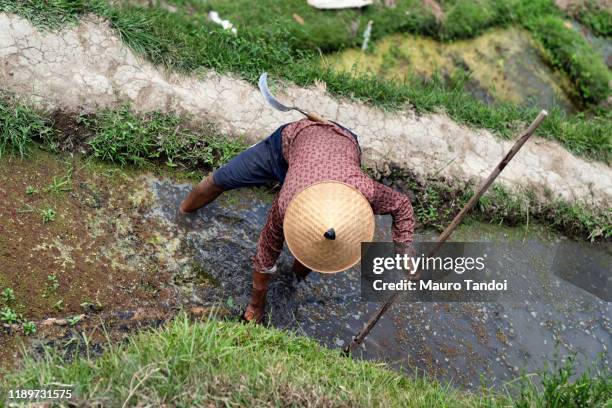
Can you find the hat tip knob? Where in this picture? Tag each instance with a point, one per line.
(330, 234)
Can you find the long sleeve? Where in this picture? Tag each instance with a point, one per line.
(388, 201)
(270, 242)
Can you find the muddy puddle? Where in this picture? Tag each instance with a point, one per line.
(140, 262)
(464, 343)
(504, 65)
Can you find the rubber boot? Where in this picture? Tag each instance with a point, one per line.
(255, 310)
(300, 271)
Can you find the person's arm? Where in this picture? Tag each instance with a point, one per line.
(388, 201)
(264, 263)
(270, 242)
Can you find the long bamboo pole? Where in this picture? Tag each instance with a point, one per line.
(369, 325)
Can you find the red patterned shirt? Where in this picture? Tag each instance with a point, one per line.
(317, 152)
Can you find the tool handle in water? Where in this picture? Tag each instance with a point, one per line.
(359, 338)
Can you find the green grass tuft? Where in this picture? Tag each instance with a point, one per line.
(594, 15)
(19, 125)
(123, 137)
(230, 364)
(436, 202)
(569, 51)
(561, 387)
(599, 21)
(467, 18)
(499, 206)
(50, 13)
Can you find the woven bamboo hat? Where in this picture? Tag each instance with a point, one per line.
(325, 224)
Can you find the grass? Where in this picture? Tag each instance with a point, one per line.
(569, 51)
(218, 363)
(58, 185)
(8, 295)
(327, 31)
(48, 215)
(186, 42)
(467, 18)
(52, 283)
(561, 387)
(29, 328)
(19, 125)
(8, 315)
(31, 190)
(599, 21)
(122, 137)
(574, 220)
(74, 320)
(436, 203)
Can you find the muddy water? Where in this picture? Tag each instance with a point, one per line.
(464, 343)
(504, 64)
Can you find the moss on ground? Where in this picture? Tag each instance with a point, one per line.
(503, 64)
(96, 234)
(186, 41)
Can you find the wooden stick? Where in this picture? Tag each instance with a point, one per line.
(360, 337)
(315, 117)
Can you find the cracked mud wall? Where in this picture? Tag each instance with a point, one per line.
(86, 67)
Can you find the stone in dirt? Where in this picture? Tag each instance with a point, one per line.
(339, 4)
(436, 9)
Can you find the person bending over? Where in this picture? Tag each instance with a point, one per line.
(325, 207)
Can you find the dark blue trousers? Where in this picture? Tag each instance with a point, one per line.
(257, 165)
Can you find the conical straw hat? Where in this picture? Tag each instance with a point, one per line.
(325, 224)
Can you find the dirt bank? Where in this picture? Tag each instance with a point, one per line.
(73, 241)
(87, 67)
